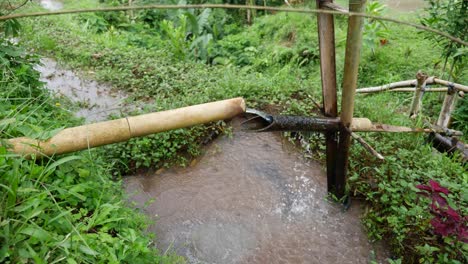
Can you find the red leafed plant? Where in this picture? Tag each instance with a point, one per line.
(446, 221)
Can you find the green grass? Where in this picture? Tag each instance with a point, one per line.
(50, 209)
(274, 62)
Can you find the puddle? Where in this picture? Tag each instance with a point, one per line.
(405, 5)
(96, 101)
(251, 199)
(51, 5)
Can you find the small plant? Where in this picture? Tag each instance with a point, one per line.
(447, 221)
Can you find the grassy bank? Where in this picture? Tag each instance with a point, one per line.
(274, 62)
(65, 209)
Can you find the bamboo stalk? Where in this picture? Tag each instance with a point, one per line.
(108, 132)
(226, 6)
(439, 89)
(418, 94)
(365, 125)
(326, 34)
(411, 83)
(448, 106)
(352, 56)
(350, 75)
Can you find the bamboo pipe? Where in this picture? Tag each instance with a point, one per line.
(108, 132)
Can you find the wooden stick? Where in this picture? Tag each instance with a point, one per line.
(366, 145)
(224, 6)
(411, 83)
(326, 34)
(418, 94)
(108, 132)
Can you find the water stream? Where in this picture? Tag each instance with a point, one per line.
(51, 5)
(403, 6)
(95, 101)
(251, 198)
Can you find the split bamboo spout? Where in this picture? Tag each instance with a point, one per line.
(108, 132)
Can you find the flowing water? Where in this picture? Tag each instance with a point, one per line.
(96, 101)
(251, 198)
(51, 5)
(404, 5)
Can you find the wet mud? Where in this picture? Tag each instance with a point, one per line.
(251, 198)
(95, 101)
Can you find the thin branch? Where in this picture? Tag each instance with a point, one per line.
(223, 6)
(14, 8)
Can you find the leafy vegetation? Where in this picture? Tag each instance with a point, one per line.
(50, 209)
(170, 59)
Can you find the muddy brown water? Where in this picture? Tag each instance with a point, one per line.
(251, 198)
(96, 101)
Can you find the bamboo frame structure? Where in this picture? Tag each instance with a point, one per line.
(108, 132)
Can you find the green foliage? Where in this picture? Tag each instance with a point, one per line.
(50, 209)
(176, 36)
(450, 17)
(375, 31)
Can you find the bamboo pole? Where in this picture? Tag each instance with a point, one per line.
(418, 94)
(108, 132)
(412, 83)
(448, 106)
(427, 90)
(350, 75)
(326, 34)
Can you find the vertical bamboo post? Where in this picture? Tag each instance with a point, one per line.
(131, 13)
(249, 12)
(418, 94)
(326, 34)
(350, 76)
(448, 106)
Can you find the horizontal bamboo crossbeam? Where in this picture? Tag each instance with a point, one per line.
(336, 7)
(412, 83)
(438, 89)
(108, 132)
